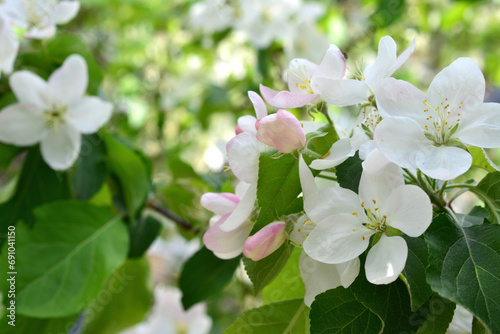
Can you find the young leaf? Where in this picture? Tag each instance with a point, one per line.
(338, 311)
(435, 316)
(66, 257)
(27, 325)
(289, 316)
(414, 272)
(204, 276)
(481, 159)
(142, 234)
(265, 271)
(465, 267)
(349, 173)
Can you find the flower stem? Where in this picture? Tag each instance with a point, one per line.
(437, 200)
(327, 177)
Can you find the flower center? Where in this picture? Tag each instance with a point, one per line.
(442, 121)
(37, 12)
(55, 116)
(376, 220)
(305, 80)
(371, 118)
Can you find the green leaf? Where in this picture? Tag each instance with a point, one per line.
(263, 272)
(481, 160)
(131, 172)
(490, 186)
(338, 311)
(124, 300)
(180, 169)
(465, 267)
(204, 276)
(435, 316)
(90, 172)
(475, 217)
(414, 272)
(388, 12)
(289, 316)
(64, 260)
(7, 153)
(142, 234)
(349, 173)
(215, 100)
(288, 284)
(27, 325)
(37, 184)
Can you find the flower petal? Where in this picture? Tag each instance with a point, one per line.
(247, 124)
(338, 238)
(69, 82)
(226, 244)
(243, 153)
(45, 32)
(300, 73)
(340, 151)
(409, 209)
(341, 92)
(242, 211)
(30, 88)
(64, 11)
(258, 105)
(443, 162)
(10, 46)
(265, 241)
(386, 57)
(403, 57)
(484, 129)
(386, 260)
(286, 99)
(60, 146)
(219, 203)
(89, 114)
(333, 65)
(282, 131)
(319, 277)
(21, 124)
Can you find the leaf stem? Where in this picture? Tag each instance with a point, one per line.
(328, 177)
(171, 216)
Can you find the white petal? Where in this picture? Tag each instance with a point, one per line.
(401, 98)
(340, 151)
(333, 65)
(21, 124)
(386, 57)
(69, 82)
(443, 162)
(484, 129)
(30, 88)
(227, 244)
(219, 203)
(247, 124)
(307, 183)
(243, 153)
(319, 277)
(400, 139)
(258, 105)
(298, 71)
(341, 92)
(409, 209)
(462, 81)
(386, 260)
(89, 114)
(403, 57)
(45, 32)
(60, 147)
(10, 46)
(242, 211)
(64, 11)
(338, 238)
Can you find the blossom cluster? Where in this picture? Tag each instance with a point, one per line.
(399, 129)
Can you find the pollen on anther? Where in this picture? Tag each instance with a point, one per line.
(354, 213)
(376, 209)
(300, 230)
(363, 237)
(374, 201)
(362, 204)
(384, 216)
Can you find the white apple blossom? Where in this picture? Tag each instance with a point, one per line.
(211, 15)
(429, 131)
(9, 46)
(345, 221)
(53, 113)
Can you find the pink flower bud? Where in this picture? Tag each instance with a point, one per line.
(265, 242)
(281, 131)
(238, 130)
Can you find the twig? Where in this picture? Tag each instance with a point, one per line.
(172, 216)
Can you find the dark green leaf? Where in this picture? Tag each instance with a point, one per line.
(475, 217)
(414, 272)
(90, 172)
(490, 186)
(124, 300)
(204, 276)
(349, 173)
(289, 316)
(7, 153)
(338, 311)
(180, 169)
(265, 271)
(27, 325)
(388, 12)
(435, 316)
(142, 234)
(66, 257)
(465, 267)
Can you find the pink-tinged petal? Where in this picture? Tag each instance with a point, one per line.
(337, 239)
(242, 211)
(60, 146)
(69, 82)
(265, 241)
(227, 244)
(64, 11)
(484, 129)
(341, 92)
(443, 162)
(21, 124)
(43, 33)
(282, 131)
(89, 114)
(333, 65)
(285, 99)
(403, 57)
(299, 76)
(243, 153)
(258, 104)
(386, 57)
(386, 260)
(400, 139)
(219, 203)
(409, 209)
(340, 151)
(460, 83)
(319, 277)
(10, 46)
(401, 98)
(31, 89)
(378, 179)
(247, 124)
